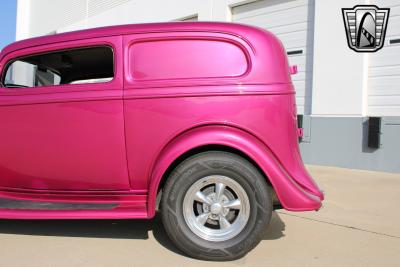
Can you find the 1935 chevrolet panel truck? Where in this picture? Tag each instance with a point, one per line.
(195, 119)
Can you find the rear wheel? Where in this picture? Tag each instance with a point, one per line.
(216, 206)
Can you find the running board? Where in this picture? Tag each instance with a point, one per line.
(34, 205)
(113, 206)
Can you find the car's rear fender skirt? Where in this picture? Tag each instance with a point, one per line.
(291, 195)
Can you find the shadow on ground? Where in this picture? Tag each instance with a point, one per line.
(275, 229)
(124, 229)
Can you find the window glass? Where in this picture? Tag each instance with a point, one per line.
(75, 66)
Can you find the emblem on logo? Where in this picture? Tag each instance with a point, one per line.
(365, 27)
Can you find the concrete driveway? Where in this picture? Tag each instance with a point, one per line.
(359, 226)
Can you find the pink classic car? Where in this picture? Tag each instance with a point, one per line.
(196, 120)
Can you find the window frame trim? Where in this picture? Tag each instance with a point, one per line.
(113, 42)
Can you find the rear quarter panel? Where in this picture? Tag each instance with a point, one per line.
(151, 123)
(260, 102)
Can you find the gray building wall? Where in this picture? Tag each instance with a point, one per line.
(343, 142)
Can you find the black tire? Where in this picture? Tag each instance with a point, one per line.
(216, 163)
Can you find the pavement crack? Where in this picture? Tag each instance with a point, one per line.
(340, 225)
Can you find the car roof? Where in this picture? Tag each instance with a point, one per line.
(223, 27)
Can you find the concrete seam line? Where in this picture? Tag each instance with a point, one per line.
(341, 225)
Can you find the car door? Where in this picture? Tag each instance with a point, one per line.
(65, 129)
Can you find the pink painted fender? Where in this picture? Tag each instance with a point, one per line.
(291, 195)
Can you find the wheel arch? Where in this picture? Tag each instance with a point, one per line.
(201, 139)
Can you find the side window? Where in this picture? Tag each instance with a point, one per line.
(74, 66)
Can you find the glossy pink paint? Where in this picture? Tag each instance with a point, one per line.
(113, 142)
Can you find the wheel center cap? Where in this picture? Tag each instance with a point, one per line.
(216, 208)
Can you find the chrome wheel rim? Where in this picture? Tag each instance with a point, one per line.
(216, 208)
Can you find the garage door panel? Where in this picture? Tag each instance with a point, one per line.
(286, 28)
(274, 24)
(387, 3)
(299, 61)
(388, 50)
(387, 56)
(272, 6)
(300, 93)
(386, 85)
(384, 69)
(294, 39)
(394, 10)
(300, 86)
(291, 16)
(393, 100)
(290, 21)
(300, 76)
(300, 68)
(393, 27)
(381, 91)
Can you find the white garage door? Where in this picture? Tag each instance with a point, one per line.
(384, 68)
(292, 21)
